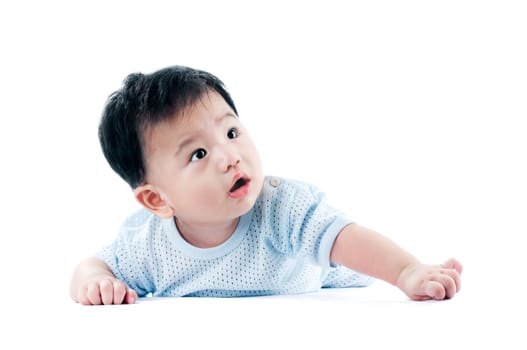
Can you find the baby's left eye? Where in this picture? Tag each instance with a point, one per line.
(232, 133)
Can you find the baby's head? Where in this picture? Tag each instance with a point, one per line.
(174, 136)
(144, 101)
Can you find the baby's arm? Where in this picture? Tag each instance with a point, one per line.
(93, 283)
(366, 251)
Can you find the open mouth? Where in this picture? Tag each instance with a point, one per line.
(238, 184)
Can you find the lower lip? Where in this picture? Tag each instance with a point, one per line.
(240, 192)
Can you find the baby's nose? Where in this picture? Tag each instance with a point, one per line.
(228, 157)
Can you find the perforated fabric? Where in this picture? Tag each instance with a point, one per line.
(281, 246)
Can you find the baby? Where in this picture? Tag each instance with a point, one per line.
(212, 223)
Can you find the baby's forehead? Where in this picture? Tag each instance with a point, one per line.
(207, 111)
(209, 100)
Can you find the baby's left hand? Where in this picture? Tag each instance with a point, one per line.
(425, 282)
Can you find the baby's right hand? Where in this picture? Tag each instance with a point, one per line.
(106, 291)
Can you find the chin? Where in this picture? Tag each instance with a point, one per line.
(247, 205)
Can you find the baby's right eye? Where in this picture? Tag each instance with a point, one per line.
(198, 154)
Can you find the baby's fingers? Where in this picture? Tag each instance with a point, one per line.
(453, 264)
(443, 286)
(116, 292)
(131, 296)
(123, 294)
(455, 275)
(109, 293)
(434, 290)
(106, 292)
(119, 292)
(90, 295)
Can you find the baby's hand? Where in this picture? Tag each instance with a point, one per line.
(106, 290)
(437, 282)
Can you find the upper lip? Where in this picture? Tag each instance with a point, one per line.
(236, 178)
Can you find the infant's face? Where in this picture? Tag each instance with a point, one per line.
(204, 164)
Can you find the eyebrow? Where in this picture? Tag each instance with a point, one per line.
(183, 144)
(190, 139)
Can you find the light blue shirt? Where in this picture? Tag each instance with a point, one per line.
(281, 246)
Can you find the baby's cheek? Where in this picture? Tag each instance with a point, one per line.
(208, 197)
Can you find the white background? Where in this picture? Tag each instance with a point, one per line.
(409, 114)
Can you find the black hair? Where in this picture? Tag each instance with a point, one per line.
(143, 101)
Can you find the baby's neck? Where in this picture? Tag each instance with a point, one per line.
(206, 235)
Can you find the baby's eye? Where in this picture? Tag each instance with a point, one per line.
(232, 133)
(198, 154)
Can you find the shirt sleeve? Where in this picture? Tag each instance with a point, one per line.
(309, 226)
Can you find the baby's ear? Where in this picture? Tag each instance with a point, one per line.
(152, 200)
